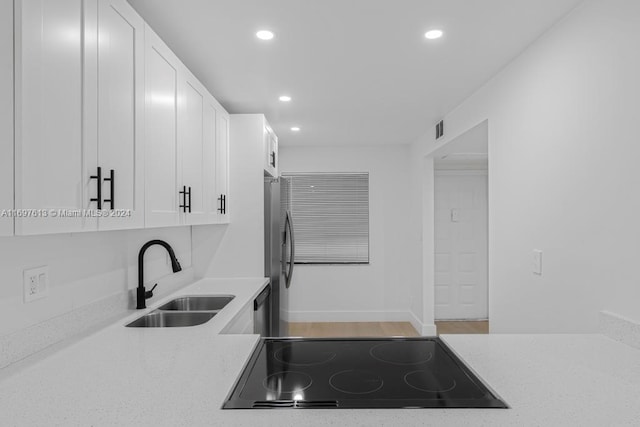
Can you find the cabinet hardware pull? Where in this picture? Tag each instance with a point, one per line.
(112, 181)
(273, 159)
(224, 204)
(189, 205)
(183, 193)
(98, 177)
(221, 206)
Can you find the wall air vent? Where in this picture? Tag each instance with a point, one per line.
(440, 129)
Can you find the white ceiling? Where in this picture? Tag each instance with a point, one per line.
(359, 71)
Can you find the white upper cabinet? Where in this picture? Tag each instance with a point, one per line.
(213, 201)
(112, 131)
(120, 112)
(194, 148)
(186, 137)
(270, 151)
(222, 199)
(182, 129)
(50, 171)
(79, 102)
(6, 117)
(162, 169)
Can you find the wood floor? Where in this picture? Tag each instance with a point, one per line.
(463, 327)
(352, 329)
(380, 329)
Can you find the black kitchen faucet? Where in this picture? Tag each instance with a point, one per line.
(142, 294)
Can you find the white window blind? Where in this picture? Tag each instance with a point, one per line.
(330, 215)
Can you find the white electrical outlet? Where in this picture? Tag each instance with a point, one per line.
(537, 262)
(36, 283)
(455, 215)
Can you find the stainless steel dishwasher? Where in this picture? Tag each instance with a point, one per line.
(262, 313)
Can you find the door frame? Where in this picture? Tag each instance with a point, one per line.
(427, 172)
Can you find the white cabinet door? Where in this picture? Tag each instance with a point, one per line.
(274, 153)
(270, 151)
(222, 200)
(162, 169)
(242, 323)
(191, 141)
(120, 112)
(210, 168)
(50, 170)
(6, 117)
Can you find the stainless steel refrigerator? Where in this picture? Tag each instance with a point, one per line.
(279, 250)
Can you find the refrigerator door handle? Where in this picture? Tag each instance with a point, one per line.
(288, 227)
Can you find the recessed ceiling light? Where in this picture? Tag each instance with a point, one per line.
(295, 129)
(285, 98)
(434, 34)
(264, 35)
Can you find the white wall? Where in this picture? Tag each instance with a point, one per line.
(6, 114)
(383, 289)
(563, 174)
(416, 286)
(85, 268)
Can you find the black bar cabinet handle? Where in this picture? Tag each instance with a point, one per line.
(183, 193)
(189, 205)
(223, 204)
(273, 159)
(112, 180)
(98, 177)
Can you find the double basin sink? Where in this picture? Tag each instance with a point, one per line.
(184, 311)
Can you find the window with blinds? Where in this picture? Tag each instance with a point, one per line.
(330, 215)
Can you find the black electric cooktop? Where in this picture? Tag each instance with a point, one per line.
(358, 373)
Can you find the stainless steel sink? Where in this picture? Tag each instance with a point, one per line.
(167, 319)
(197, 303)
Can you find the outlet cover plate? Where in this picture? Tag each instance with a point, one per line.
(36, 283)
(537, 262)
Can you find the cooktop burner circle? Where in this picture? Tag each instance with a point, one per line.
(355, 381)
(403, 352)
(429, 381)
(287, 382)
(303, 355)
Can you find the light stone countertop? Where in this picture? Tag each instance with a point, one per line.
(181, 376)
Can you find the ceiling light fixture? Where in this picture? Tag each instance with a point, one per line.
(434, 34)
(264, 35)
(285, 98)
(295, 129)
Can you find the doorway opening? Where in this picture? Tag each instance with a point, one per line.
(461, 255)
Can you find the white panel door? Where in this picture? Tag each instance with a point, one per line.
(222, 166)
(6, 116)
(209, 136)
(191, 144)
(120, 112)
(51, 172)
(162, 168)
(461, 282)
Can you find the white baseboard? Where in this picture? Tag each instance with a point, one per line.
(360, 316)
(620, 328)
(429, 331)
(426, 330)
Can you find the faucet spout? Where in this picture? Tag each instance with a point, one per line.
(142, 294)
